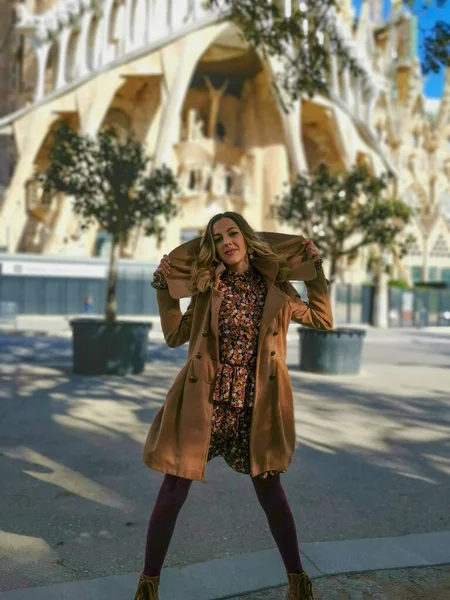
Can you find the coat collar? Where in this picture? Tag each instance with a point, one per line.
(301, 269)
(268, 268)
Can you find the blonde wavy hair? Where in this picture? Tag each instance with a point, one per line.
(204, 265)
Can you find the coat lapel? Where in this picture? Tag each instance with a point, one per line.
(275, 298)
(216, 301)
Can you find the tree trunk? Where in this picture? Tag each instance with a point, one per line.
(380, 317)
(424, 270)
(110, 312)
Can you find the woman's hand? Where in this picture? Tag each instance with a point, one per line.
(164, 266)
(312, 252)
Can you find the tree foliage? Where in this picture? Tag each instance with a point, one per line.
(112, 184)
(110, 181)
(344, 212)
(436, 39)
(296, 43)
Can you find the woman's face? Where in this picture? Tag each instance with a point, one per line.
(231, 246)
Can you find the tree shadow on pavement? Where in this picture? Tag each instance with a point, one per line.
(369, 463)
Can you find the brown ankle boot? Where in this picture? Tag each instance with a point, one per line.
(148, 588)
(300, 587)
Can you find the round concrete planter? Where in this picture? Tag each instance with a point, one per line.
(102, 348)
(336, 352)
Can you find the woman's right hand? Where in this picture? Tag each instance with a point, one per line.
(164, 266)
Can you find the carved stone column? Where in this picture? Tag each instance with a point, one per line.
(358, 97)
(334, 76)
(82, 48)
(370, 105)
(346, 83)
(63, 44)
(128, 39)
(42, 52)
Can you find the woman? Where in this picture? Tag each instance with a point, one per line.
(233, 397)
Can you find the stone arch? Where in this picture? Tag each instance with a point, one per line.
(43, 212)
(118, 119)
(320, 138)
(41, 157)
(382, 121)
(415, 196)
(191, 56)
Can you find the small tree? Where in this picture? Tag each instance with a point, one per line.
(110, 179)
(343, 212)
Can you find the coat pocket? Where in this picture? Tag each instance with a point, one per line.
(203, 370)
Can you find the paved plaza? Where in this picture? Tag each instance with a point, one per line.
(369, 483)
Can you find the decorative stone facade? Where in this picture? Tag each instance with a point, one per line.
(181, 79)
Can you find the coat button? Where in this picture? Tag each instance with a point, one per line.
(198, 355)
(205, 333)
(275, 333)
(193, 378)
(273, 353)
(272, 376)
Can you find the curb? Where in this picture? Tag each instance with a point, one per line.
(244, 574)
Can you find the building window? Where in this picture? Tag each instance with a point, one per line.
(186, 235)
(191, 183)
(445, 275)
(220, 132)
(433, 274)
(416, 274)
(228, 183)
(103, 243)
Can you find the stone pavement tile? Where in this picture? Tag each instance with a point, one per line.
(433, 547)
(379, 553)
(117, 587)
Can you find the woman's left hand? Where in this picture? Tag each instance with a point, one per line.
(312, 252)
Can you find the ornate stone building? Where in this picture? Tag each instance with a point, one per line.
(182, 79)
(415, 134)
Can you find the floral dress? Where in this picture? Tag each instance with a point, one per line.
(233, 396)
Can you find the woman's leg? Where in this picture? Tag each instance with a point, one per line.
(272, 498)
(172, 495)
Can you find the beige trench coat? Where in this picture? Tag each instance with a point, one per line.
(179, 437)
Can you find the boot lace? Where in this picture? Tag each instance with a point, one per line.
(147, 588)
(301, 588)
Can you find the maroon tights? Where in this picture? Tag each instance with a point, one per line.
(172, 495)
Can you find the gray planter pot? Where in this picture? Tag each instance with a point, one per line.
(101, 348)
(336, 352)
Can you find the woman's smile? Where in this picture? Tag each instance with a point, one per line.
(230, 244)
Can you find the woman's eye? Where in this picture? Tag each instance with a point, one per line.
(234, 233)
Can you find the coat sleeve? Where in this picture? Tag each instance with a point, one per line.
(176, 327)
(315, 313)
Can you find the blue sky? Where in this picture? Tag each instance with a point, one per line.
(433, 84)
